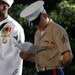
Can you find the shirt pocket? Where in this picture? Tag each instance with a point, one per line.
(47, 43)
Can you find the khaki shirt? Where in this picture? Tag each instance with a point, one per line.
(55, 41)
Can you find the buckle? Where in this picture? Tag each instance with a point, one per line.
(41, 69)
(46, 68)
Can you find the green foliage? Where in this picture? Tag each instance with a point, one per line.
(29, 71)
(64, 15)
(69, 70)
(71, 1)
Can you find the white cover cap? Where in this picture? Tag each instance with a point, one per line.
(33, 10)
(9, 2)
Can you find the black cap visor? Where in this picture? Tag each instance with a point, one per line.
(36, 21)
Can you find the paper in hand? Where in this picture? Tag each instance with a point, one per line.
(29, 47)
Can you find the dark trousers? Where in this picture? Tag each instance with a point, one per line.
(51, 72)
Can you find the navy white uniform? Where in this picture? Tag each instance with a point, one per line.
(10, 62)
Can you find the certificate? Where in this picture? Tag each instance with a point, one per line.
(29, 47)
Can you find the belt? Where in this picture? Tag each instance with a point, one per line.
(46, 68)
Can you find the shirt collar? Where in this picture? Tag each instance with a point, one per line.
(6, 20)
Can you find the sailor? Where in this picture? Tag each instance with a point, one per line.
(52, 37)
(10, 32)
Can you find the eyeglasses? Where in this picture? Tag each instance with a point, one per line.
(36, 21)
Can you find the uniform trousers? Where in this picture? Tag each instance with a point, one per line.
(51, 72)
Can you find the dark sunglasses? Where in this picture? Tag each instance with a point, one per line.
(36, 21)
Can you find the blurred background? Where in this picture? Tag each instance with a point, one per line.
(62, 12)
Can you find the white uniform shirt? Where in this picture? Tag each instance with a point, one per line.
(10, 62)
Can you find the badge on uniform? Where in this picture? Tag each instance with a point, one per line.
(5, 33)
(48, 41)
(15, 71)
(64, 39)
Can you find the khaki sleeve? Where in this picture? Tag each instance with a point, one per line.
(61, 40)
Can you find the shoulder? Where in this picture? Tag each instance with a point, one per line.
(58, 28)
(14, 23)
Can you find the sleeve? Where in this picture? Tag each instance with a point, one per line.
(18, 34)
(61, 39)
(21, 35)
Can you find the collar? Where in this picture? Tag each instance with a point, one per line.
(49, 26)
(47, 29)
(6, 20)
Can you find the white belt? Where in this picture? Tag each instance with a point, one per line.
(47, 68)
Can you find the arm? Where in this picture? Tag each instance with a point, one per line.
(62, 41)
(66, 58)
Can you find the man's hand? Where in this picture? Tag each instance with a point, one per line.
(23, 55)
(26, 56)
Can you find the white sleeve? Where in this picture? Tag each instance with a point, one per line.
(21, 36)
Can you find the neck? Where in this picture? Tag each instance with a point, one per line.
(47, 22)
(3, 17)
